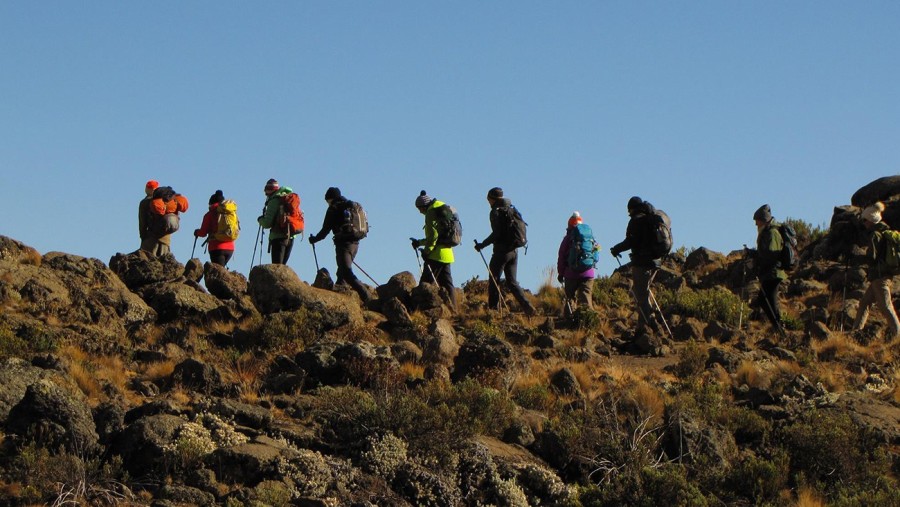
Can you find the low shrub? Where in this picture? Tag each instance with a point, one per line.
(717, 304)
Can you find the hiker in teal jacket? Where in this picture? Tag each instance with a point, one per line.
(280, 242)
(438, 258)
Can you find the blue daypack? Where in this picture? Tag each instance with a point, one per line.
(584, 252)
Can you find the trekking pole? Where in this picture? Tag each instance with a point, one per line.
(364, 272)
(743, 284)
(661, 316)
(494, 280)
(316, 257)
(772, 312)
(194, 247)
(418, 260)
(252, 257)
(262, 239)
(568, 305)
(205, 244)
(844, 292)
(634, 296)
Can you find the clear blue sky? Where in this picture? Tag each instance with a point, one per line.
(707, 109)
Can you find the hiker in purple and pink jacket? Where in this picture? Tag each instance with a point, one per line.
(578, 285)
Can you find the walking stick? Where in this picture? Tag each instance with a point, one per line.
(844, 292)
(568, 305)
(364, 272)
(194, 247)
(743, 285)
(772, 312)
(418, 260)
(316, 257)
(252, 257)
(661, 316)
(494, 280)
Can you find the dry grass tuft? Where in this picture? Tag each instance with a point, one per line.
(648, 400)
(842, 346)
(807, 497)
(750, 374)
(32, 257)
(159, 371)
(86, 381)
(412, 370)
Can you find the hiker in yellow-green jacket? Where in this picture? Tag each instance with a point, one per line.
(437, 251)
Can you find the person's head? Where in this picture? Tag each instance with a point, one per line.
(575, 219)
(763, 215)
(872, 214)
(150, 187)
(331, 194)
(635, 205)
(494, 195)
(272, 186)
(423, 201)
(216, 198)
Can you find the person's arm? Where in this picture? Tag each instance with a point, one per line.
(267, 219)
(207, 225)
(562, 258)
(431, 232)
(328, 225)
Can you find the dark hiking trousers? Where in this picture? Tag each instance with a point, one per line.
(344, 254)
(281, 250)
(220, 257)
(506, 262)
(767, 299)
(439, 273)
(641, 279)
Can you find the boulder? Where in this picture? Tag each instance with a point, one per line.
(197, 375)
(399, 286)
(15, 252)
(441, 345)
(319, 365)
(246, 463)
(54, 418)
(275, 288)
(15, 377)
(701, 258)
(691, 440)
(143, 442)
(565, 382)
(480, 355)
(426, 296)
(193, 270)
(323, 280)
(406, 351)
(222, 283)
(140, 268)
(178, 301)
(882, 418)
(396, 313)
(253, 416)
(881, 189)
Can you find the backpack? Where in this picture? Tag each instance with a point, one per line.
(514, 232)
(228, 227)
(584, 253)
(891, 242)
(661, 234)
(449, 228)
(289, 217)
(164, 208)
(356, 222)
(789, 256)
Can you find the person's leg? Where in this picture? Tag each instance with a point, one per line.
(862, 311)
(445, 280)
(429, 274)
(769, 301)
(220, 257)
(511, 269)
(570, 288)
(640, 287)
(276, 247)
(161, 249)
(496, 269)
(886, 305)
(584, 292)
(288, 246)
(344, 255)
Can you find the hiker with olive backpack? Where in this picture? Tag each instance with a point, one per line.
(884, 263)
(775, 252)
(507, 235)
(649, 237)
(222, 226)
(283, 216)
(348, 223)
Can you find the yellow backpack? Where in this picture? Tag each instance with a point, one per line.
(228, 226)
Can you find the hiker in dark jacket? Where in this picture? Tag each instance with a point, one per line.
(767, 259)
(880, 274)
(505, 257)
(149, 241)
(345, 244)
(639, 238)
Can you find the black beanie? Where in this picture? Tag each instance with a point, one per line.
(332, 193)
(495, 193)
(217, 197)
(634, 202)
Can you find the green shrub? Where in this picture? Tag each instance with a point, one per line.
(586, 319)
(717, 304)
(691, 361)
(806, 232)
(26, 339)
(66, 479)
(300, 327)
(758, 479)
(608, 293)
(535, 397)
(650, 487)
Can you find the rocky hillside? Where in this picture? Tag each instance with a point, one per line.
(147, 382)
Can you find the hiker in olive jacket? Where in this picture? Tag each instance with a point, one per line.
(345, 246)
(437, 257)
(151, 241)
(280, 242)
(767, 259)
(639, 238)
(505, 258)
(880, 274)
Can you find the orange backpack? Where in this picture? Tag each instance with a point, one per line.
(289, 217)
(164, 209)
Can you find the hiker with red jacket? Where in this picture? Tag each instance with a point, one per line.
(578, 283)
(645, 262)
(221, 247)
(345, 228)
(506, 238)
(880, 274)
(281, 237)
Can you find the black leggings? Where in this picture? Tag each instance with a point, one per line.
(220, 257)
(344, 255)
(281, 249)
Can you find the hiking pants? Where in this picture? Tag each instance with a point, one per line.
(439, 272)
(641, 278)
(281, 249)
(155, 246)
(220, 257)
(767, 299)
(579, 293)
(879, 294)
(344, 254)
(506, 262)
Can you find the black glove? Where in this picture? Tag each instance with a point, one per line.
(313, 240)
(560, 278)
(478, 246)
(415, 242)
(615, 253)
